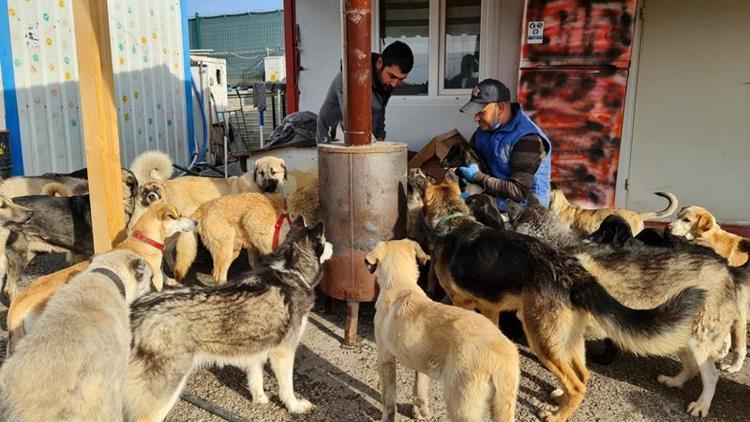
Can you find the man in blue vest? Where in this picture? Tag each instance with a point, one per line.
(517, 152)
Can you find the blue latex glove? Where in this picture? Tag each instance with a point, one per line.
(465, 196)
(468, 173)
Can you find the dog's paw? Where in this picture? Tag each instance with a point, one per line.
(260, 398)
(733, 367)
(421, 412)
(698, 408)
(300, 406)
(548, 416)
(557, 396)
(669, 381)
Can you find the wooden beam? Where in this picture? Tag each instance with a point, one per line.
(99, 121)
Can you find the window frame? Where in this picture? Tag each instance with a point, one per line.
(488, 58)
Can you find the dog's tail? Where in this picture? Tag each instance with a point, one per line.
(504, 382)
(151, 165)
(656, 331)
(671, 208)
(55, 189)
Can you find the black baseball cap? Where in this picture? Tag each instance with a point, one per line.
(486, 92)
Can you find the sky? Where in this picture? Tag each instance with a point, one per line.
(226, 7)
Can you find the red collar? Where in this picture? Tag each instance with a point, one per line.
(277, 228)
(151, 242)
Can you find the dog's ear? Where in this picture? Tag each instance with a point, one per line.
(422, 257)
(286, 173)
(705, 222)
(140, 269)
(318, 230)
(514, 210)
(371, 263)
(299, 221)
(169, 212)
(255, 174)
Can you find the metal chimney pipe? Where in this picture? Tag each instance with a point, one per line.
(357, 72)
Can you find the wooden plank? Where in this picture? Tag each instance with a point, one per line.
(99, 121)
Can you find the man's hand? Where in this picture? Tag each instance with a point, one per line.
(468, 173)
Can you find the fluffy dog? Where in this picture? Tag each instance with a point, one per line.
(476, 364)
(463, 154)
(160, 222)
(644, 275)
(260, 316)
(699, 226)
(33, 185)
(654, 301)
(484, 208)
(586, 221)
(73, 365)
(305, 202)
(229, 224)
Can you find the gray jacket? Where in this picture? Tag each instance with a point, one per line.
(330, 115)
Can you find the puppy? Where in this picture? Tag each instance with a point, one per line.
(231, 223)
(484, 208)
(475, 362)
(699, 226)
(586, 221)
(73, 365)
(160, 222)
(463, 154)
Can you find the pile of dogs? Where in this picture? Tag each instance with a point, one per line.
(569, 274)
(91, 342)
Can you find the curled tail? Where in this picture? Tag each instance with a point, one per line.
(55, 189)
(657, 331)
(151, 165)
(671, 208)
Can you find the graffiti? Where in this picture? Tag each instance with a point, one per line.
(573, 85)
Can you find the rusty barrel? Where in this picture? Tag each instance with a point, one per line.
(362, 201)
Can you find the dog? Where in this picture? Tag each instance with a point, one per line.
(154, 168)
(586, 221)
(72, 366)
(476, 364)
(261, 315)
(463, 154)
(305, 202)
(643, 276)
(147, 240)
(484, 208)
(699, 226)
(33, 185)
(226, 225)
(654, 301)
(57, 224)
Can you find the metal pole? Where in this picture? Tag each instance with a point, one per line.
(357, 72)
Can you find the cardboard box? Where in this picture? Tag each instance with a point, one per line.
(428, 158)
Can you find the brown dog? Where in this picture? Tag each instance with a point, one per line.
(586, 221)
(699, 226)
(231, 223)
(160, 222)
(476, 364)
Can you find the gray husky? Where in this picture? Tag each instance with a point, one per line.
(72, 366)
(259, 315)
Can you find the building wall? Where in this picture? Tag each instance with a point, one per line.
(147, 51)
(409, 119)
(691, 132)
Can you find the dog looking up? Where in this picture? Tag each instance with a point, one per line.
(476, 364)
(73, 364)
(586, 221)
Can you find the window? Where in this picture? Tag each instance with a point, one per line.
(460, 43)
(408, 21)
(449, 66)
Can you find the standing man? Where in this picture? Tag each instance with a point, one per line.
(389, 69)
(517, 152)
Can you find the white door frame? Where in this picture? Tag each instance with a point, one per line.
(628, 123)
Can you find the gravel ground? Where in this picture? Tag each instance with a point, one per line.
(343, 383)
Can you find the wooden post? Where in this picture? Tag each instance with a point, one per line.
(99, 121)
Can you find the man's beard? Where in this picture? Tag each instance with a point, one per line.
(385, 89)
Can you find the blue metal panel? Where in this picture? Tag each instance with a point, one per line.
(9, 91)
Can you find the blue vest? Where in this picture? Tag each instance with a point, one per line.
(495, 146)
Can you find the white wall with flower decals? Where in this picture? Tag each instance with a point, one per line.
(149, 67)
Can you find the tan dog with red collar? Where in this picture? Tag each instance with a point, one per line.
(147, 240)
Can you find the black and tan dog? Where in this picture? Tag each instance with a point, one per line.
(655, 310)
